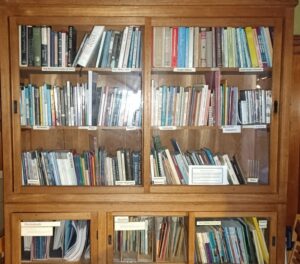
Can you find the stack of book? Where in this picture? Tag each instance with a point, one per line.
(171, 239)
(229, 240)
(133, 239)
(83, 104)
(201, 105)
(187, 47)
(174, 167)
(42, 46)
(64, 168)
(150, 238)
(68, 240)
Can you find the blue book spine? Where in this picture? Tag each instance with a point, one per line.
(246, 49)
(264, 41)
(136, 167)
(164, 105)
(262, 46)
(187, 40)
(139, 48)
(214, 248)
(106, 49)
(130, 57)
(53, 164)
(181, 47)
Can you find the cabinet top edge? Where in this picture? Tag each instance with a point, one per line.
(154, 2)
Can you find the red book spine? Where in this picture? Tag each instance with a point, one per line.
(174, 46)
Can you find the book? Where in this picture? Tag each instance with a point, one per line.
(90, 46)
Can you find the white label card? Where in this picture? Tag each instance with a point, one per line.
(252, 180)
(129, 128)
(231, 129)
(208, 223)
(159, 180)
(251, 69)
(262, 126)
(263, 224)
(121, 219)
(37, 231)
(41, 127)
(167, 127)
(184, 69)
(122, 183)
(208, 175)
(88, 127)
(40, 223)
(121, 69)
(130, 226)
(59, 69)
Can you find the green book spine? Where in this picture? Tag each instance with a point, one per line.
(36, 43)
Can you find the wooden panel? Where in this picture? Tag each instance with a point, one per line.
(294, 158)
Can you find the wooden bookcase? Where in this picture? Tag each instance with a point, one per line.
(100, 204)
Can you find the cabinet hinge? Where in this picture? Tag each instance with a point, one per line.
(275, 107)
(15, 106)
(109, 240)
(273, 241)
(97, 235)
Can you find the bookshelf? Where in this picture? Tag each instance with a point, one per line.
(104, 144)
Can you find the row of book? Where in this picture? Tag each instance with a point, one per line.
(68, 240)
(174, 167)
(42, 46)
(103, 48)
(91, 168)
(239, 240)
(201, 105)
(83, 104)
(148, 238)
(188, 47)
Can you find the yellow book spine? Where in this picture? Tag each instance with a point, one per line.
(251, 45)
(262, 241)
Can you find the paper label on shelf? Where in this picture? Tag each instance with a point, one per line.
(159, 180)
(59, 69)
(40, 223)
(122, 183)
(215, 69)
(88, 127)
(208, 175)
(130, 226)
(184, 69)
(263, 224)
(41, 127)
(208, 223)
(121, 219)
(37, 231)
(129, 128)
(261, 126)
(121, 69)
(231, 129)
(251, 69)
(252, 180)
(167, 127)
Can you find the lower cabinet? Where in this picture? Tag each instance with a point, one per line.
(143, 237)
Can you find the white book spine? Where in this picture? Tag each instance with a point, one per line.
(100, 49)
(128, 43)
(191, 47)
(123, 46)
(90, 45)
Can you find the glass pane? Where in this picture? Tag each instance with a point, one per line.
(81, 126)
(211, 101)
(67, 240)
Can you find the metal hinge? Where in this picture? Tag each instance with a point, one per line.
(273, 241)
(275, 107)
(15, 106)
(109, 240)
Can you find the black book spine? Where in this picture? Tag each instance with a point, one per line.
(24, 42)
(30, 46)
(71, 45)
(59, 50)
(44, 46)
